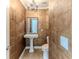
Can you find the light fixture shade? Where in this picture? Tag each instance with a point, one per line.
(40, 1)
(41, 4)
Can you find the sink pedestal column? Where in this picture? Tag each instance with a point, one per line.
(31, 38)
(31, 45)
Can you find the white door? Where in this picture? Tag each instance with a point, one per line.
(7, 34)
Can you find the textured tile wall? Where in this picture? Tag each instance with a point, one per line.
(43, 22)
(17, 28)
(59, 24)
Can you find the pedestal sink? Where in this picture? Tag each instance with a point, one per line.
(31, 37)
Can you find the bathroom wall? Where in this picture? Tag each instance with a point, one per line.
(17, 28)
(60, 24)
(43, 24)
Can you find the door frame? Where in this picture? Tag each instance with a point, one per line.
(7, 34)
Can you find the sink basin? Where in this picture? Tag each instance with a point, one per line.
(31, 36)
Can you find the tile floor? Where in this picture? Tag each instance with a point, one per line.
(38, 54)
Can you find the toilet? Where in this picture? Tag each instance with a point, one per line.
(45, 49)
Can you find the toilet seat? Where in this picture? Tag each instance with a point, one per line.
(45, 47)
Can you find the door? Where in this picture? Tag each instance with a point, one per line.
(7, 34)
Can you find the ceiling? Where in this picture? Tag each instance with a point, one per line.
(32, 4)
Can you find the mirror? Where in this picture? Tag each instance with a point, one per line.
(32, 25)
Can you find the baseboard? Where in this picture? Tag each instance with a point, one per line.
(35, 47)
(22, 53)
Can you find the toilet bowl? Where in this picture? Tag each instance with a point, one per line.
(45, 51)
(45, 48)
